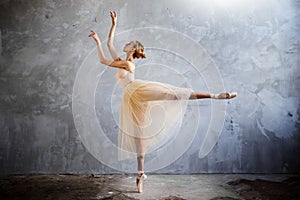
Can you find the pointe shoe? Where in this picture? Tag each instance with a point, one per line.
(140, 182)
(225, 95)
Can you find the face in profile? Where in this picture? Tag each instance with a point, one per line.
(137, 47)
(129, 46)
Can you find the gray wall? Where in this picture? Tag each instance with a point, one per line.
(254, 45)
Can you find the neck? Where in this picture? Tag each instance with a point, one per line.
(130, 58)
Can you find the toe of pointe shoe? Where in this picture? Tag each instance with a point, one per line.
(232, 95)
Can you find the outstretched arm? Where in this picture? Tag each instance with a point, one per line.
(110, 41)
(123, 64)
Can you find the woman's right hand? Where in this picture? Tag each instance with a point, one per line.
(95, 37)
(113, 15)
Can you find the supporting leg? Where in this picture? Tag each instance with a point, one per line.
(140, 161)
(141, 151)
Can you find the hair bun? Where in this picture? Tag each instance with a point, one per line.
(139, 54)
(143, 55)
(139, 50)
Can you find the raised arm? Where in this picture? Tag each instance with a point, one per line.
(110, 41)
(123, 64)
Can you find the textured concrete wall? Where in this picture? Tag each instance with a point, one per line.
(254, 44)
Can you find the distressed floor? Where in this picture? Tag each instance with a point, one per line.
(171, 187)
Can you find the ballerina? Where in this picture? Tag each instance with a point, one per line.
(136, 133)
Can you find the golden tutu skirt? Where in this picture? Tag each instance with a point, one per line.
(149, 113)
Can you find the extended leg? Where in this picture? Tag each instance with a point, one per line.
(202, 95)
(159, 91)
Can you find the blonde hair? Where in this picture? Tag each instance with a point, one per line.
(139, 50)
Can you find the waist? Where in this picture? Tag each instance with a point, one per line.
(125, 82)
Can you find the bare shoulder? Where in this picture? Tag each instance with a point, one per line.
(125, 64)
(122, 62)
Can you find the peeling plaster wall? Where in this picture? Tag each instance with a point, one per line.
(254, 44)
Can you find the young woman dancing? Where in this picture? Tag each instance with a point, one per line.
(138, 127)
